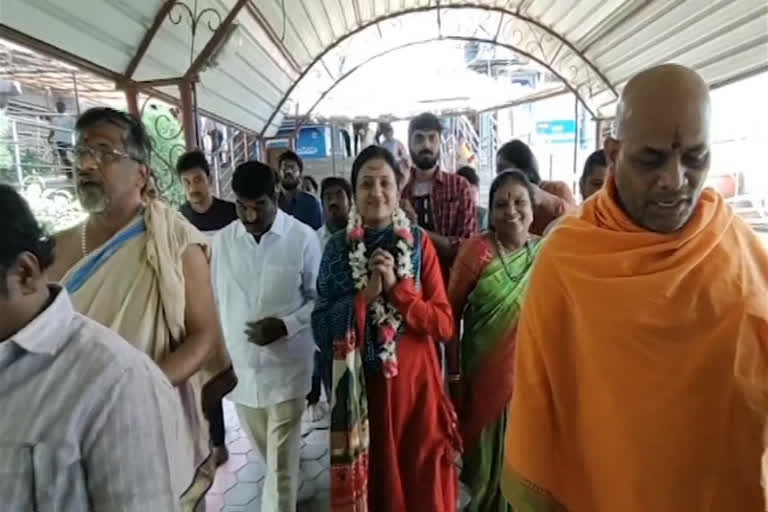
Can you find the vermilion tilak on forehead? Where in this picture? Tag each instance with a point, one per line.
(676, 144)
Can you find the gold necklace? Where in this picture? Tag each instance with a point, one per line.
(500, 249)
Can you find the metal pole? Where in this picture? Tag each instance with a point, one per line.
(334, 134)
(132, 99)
(188, 115)
(17, 153)
(228, 141)
(455, 126)
(216, 176)
(599, 134)
(77, 93)
(575, 141)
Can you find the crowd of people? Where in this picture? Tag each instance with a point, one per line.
(542, 354)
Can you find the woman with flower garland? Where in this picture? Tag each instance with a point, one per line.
(381, 307)
(488, 281)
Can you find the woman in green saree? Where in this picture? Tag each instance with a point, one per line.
(486, 289)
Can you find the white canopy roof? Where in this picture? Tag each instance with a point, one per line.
(254, 70)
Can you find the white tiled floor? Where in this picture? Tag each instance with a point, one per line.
(237, 487)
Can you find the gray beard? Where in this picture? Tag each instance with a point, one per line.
(92, 201)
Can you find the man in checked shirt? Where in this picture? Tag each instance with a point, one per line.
(440, 202)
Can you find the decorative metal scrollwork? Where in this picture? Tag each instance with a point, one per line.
(562, 59)
(164, 127)
(165, 131)
(179, 9)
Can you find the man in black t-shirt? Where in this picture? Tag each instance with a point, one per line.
(206, 212)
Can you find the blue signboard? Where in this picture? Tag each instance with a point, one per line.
(556, 128)
(279, 143)
(557, 131)
(312, 142)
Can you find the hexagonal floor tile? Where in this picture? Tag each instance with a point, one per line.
(306, 491)
(234, 435)
(311, 469)
(317, 437)
(222, 482)
(313, 451)
(254, 456)
(241, 445)
(251, 472)
(235, 462)
(323, 480)
(242, 494)
(213, 502)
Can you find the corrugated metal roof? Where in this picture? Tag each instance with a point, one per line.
(283, 50)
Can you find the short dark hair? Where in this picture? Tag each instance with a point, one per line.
(425, 122)
(596, 159)
(252, 180)
(311, 180)
(372, 153)
(336, 181)
(192, 160)
(290, 156)
(517, 153)
(469, 174)
(135, 138)
(514, 176)
(20, 233)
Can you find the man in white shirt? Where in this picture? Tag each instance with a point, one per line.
(82, 409)
(264, 271)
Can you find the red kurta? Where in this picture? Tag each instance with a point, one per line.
(414, 437)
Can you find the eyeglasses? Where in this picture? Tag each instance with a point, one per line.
(101, 154)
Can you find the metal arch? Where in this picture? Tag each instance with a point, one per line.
(23, 39)
(149, 36)
(216, 39)
(351, 71)
(421, 9)
(269, 31)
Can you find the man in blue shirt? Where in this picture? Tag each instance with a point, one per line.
(293, 200)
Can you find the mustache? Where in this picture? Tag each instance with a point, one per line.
(89, 184)
(670, 198)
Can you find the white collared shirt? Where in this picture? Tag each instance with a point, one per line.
(273, 278)
(88, 420)
(324, 234)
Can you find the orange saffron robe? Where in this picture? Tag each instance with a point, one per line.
(634, 353)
